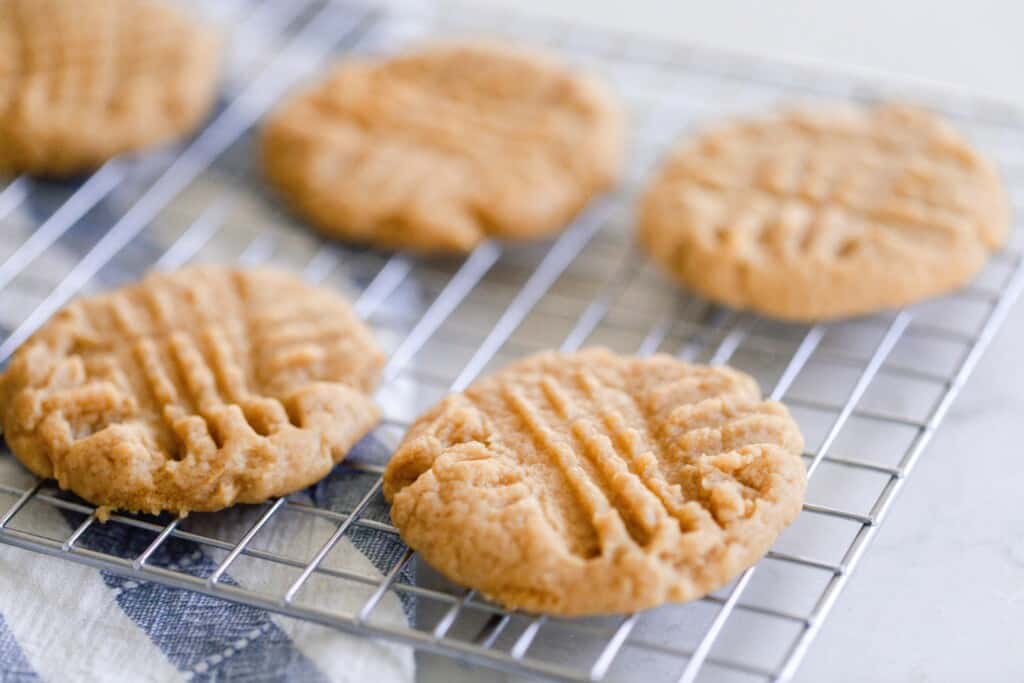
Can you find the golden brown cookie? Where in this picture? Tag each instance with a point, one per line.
(439, 149)
(192, 390)
(811, 215)
(592, 483)
(82, 81)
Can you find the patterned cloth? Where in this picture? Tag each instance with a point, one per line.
(62, 621)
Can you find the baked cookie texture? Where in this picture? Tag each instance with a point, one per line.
(592, 483)
(439, 149)
(192, 390)
(819, 214)
(82, 81)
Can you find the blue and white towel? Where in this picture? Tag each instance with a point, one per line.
(61, 621)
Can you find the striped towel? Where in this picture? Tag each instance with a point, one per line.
(61, 621)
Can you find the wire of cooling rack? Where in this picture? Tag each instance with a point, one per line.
(887, 381)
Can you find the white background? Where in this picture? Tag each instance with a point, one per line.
(977, 44)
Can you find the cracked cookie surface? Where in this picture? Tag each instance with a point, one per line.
(192, 390)
(592, 483)
(82, 81)
(819, 214)
(439, 149)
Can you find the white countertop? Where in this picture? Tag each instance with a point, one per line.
(939, 595)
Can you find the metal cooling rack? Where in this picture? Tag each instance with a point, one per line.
(869, 393)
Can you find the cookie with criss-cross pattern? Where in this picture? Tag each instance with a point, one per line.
(819, 214)
(192, 390)
(439, 149)
(591, 483)
(82, 81)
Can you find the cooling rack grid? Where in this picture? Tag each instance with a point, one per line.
(869, 393)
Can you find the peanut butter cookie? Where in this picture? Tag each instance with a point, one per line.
(439, 149)
(592, 483)
(812, 215)
(82, 81)
(192, 390)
